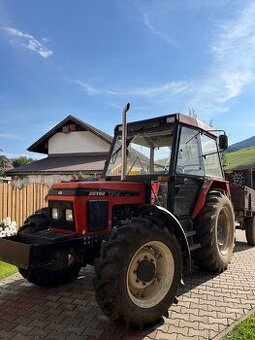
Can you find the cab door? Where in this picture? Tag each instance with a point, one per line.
(189, 173)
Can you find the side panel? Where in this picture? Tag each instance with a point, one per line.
(243, 198)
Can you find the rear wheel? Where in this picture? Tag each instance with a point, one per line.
(138, 273)
(250, 230)
(215, 232)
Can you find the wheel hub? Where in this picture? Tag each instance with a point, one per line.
(150, 274)
(146, 271)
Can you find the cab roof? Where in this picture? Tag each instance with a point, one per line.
(164, 121)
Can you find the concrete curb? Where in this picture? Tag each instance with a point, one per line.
(230, 328)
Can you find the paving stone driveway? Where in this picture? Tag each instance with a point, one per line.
(208, 304)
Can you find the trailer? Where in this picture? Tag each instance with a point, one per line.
(242, 188)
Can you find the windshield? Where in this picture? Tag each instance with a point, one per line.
(147, 153)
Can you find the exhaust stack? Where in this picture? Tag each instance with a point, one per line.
(124, 142)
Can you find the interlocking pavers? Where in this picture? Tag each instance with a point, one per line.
(208, 304)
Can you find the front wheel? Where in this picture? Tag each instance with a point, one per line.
(64, 269)
(138, 273)
(250, 230)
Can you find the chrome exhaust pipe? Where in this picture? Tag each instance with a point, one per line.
(124, 142)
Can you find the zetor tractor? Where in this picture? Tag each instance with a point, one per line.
(162, 203)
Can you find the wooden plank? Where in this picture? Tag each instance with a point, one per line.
(17, 206)
(21, 207)
(24, 203)
(28, 199)
(4, 200)
(13, 204)
(9, 200)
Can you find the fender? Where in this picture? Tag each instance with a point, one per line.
(221, 185)
(178, 229)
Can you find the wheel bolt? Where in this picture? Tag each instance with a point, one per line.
(144, 283)
(134, 271)
(136, 281)
(145, 257)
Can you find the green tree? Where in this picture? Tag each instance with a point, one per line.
(3, 163)
(21, 160)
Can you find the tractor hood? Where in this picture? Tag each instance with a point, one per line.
(100, 188)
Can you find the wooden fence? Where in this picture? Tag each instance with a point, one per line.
(18, 204)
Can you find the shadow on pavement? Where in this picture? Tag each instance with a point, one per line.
(241, 246)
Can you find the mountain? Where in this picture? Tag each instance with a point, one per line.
(244, 158)
(243, 144)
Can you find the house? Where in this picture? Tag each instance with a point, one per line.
(74, 150)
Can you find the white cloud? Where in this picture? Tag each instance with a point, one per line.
(88, 88)
(230, 71)
(157, 92)
(9, 135)
(28, 41)
(233, 63)
(148, 23)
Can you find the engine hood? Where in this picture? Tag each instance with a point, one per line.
(100, 188)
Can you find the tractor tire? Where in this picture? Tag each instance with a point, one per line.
(38, 221)
(138, 272)
(57, 273)
(51, 277)
(250, 230)
(215, 231)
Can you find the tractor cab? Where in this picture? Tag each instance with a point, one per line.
(174, 155)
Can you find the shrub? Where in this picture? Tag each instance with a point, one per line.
(8, 227)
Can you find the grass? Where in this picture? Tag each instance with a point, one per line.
(245, 330)
(240, 157)
(6, 270)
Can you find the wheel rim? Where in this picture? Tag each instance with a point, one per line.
(224, 230)
(150, 274)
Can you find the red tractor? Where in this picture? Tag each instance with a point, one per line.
(163, 201)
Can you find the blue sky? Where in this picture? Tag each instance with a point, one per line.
(89, 58)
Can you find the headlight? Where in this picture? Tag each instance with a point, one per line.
(69, 215)
(55, 213)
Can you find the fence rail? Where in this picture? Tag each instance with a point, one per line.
(18, 204)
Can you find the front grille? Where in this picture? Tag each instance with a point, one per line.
(97, 215)
(61, 222)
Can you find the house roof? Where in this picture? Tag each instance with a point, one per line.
(64, 164)
(41, 145)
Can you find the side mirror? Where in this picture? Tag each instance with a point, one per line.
(223, 142)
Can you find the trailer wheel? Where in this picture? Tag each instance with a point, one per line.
(54, 276)
(138, 273)
(215, 232)
(250, 230)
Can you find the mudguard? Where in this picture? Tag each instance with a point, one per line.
(178, 230)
